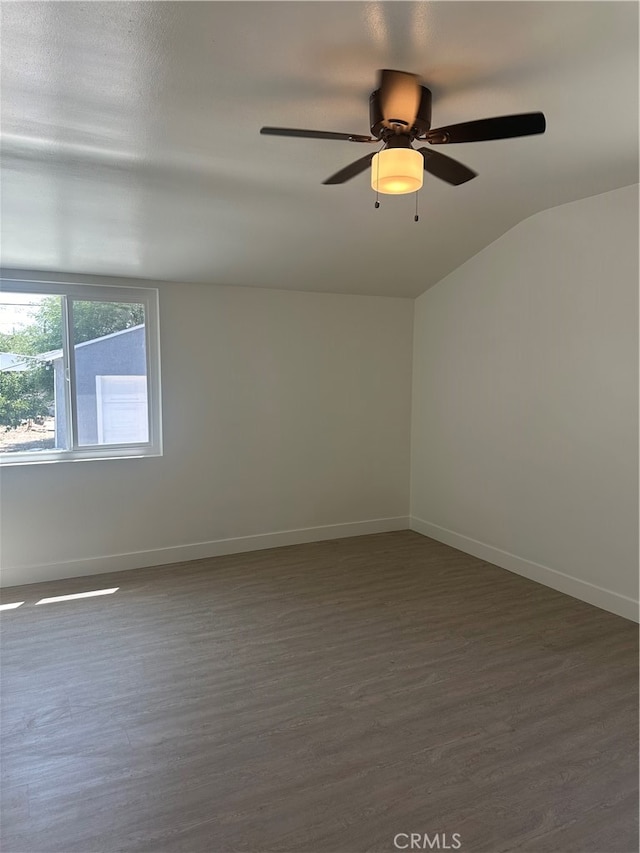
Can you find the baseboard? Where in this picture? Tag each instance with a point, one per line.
(621, 605)
(15, 576)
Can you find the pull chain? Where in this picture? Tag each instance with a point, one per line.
(377, 204)
(416, 217)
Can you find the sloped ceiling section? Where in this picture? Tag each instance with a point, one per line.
(131, 146)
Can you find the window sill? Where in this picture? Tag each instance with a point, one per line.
(91, 454)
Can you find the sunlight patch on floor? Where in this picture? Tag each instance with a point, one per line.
(78, 595)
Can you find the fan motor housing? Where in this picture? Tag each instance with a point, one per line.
(421, 125)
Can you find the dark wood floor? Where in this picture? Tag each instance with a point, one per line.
(319, 698)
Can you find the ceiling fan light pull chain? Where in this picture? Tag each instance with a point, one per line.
(377, 204)
(416, 217)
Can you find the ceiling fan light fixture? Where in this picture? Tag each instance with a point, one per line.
(395, 171)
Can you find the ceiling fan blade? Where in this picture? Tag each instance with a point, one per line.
(446, 168)
(315, 134)
(399, 96)
(501, 127)
(351, 170)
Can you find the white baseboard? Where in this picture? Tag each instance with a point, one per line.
(16, 575)
(621, 605)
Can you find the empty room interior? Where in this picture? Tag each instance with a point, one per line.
(319, 427)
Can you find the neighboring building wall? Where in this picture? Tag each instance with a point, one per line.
(121, 354)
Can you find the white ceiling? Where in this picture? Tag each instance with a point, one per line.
(130, 141)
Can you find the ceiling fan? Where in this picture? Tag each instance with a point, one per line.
(399, 113)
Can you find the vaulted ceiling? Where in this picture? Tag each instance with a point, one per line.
(131, 146)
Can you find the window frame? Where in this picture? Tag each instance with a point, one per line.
(146, 296)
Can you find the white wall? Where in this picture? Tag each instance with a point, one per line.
(525, 402)
(288, 411)
(282, 411)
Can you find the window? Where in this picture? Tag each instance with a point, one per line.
(79, 372)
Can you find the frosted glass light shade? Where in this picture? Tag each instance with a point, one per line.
(397, 170)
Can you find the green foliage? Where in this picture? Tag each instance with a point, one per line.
(90, 320)
(28, 395)
(21, 398)
(44, 333)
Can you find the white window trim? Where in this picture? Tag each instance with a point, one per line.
(146, 296)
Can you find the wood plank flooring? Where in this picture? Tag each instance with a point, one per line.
(319, 698)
